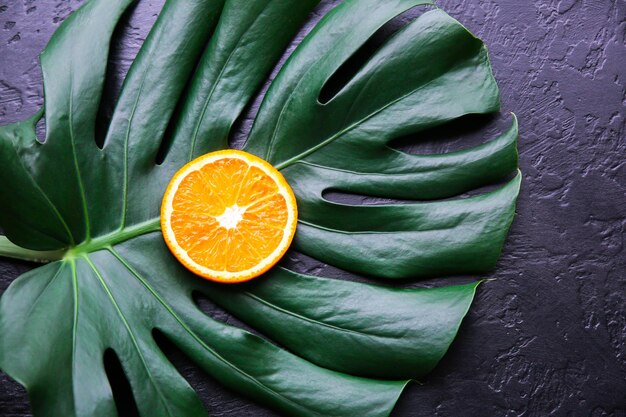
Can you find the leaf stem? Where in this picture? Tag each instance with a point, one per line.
(11, 250)
(114, 238)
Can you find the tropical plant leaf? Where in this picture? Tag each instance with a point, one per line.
(430, 72)
(93, 211)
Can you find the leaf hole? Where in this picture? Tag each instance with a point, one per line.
(212, 394)
(168, 136)
(347, 197)
(342, 76)
(186, 368)
(304, 264)
(120, 386)
(174, 355)
(461, 133)
(216, 312)
(167, 141)
(40, 129)
(125, 43)
(243, 124)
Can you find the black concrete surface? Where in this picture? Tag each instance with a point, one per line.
(547, 337)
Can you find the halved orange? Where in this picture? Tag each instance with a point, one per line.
(228, 216)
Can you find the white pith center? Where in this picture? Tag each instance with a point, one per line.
(231, 216)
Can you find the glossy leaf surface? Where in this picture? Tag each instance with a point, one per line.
(430, 72)
(112, 282)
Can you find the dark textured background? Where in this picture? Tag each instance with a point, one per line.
(548, 336)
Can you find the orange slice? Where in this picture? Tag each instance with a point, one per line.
(228, 216)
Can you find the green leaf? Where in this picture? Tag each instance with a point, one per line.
(431, 72)
(94, 212)
(356, 328)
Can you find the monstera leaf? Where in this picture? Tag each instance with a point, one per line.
(92, 212)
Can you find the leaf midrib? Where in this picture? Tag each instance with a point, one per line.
(79, 176)
(11, 250)
(114, 238)
(74, 323)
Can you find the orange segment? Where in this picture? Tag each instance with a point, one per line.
(228, 216)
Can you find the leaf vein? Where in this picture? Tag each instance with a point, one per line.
(79, 176)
